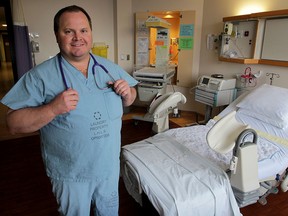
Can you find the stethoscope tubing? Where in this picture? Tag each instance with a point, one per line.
(93, 71)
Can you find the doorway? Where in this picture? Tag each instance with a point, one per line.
(181, 33)
(8, 73)
(6, 44)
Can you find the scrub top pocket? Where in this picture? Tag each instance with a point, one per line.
(114, 105)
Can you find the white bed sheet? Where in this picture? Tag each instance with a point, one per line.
(272, 159)
(273, 156)
(179, 182)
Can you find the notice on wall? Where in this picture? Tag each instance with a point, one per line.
(186, 43)
(186, 30)
(142, 51)
(186, 39)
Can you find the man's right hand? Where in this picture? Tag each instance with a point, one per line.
(64, 102)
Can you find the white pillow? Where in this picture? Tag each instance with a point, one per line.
(269, 102)
(280, 124)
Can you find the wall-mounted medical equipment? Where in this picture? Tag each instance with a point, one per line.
(238, 39)
(153, 81)
(35, 47)
(100, 49)
(247, 79)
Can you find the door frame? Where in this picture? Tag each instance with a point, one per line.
(8, 16)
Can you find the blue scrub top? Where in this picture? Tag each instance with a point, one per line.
(83, 144)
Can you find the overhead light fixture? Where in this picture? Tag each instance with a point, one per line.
(168, 16)
(4, 25)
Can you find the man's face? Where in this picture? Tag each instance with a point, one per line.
(75, 35)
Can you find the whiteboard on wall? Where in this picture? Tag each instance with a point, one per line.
(275, 46)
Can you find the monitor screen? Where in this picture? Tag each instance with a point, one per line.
(205, 81)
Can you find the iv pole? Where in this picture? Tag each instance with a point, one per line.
(272, 76)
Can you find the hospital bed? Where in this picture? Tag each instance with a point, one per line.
(181, 174)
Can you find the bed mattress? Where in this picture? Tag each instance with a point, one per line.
(272, 159)
(177, 181)
(178, 171)
(273, 156)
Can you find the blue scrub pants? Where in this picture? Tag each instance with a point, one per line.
(76, 197)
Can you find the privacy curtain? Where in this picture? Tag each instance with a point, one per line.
(21, 38)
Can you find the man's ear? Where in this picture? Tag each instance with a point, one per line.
(57, 40)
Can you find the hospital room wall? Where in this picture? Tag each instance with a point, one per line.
(209, 15)
(39, 18)
(179, 5)
(213, 13)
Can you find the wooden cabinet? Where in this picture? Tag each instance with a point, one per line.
(243, 39)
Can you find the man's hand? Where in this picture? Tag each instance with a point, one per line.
(31, 119)
(122, 88)
(64, 102)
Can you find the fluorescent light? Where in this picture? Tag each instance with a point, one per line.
(4, 25)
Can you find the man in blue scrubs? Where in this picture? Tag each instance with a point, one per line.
(76, 100)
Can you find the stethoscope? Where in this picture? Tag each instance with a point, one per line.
(93, 71)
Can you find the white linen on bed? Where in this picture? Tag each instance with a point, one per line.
(267, 103)
(262, 126)
(272, 153)
(275, 160)
(254, 122)
(179, 182)
(272, 159)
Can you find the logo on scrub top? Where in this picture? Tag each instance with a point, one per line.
(97, 115)
(99, 128)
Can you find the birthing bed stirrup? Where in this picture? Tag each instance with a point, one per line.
(227, 135)
(244, 176)
(159, 110)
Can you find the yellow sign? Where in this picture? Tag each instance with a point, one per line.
(100, 49)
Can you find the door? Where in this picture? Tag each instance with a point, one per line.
(6, 42)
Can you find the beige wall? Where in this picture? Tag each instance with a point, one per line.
(125, 34)
(179, 5)
(113, 23)
(214, 11)
(39, 18)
